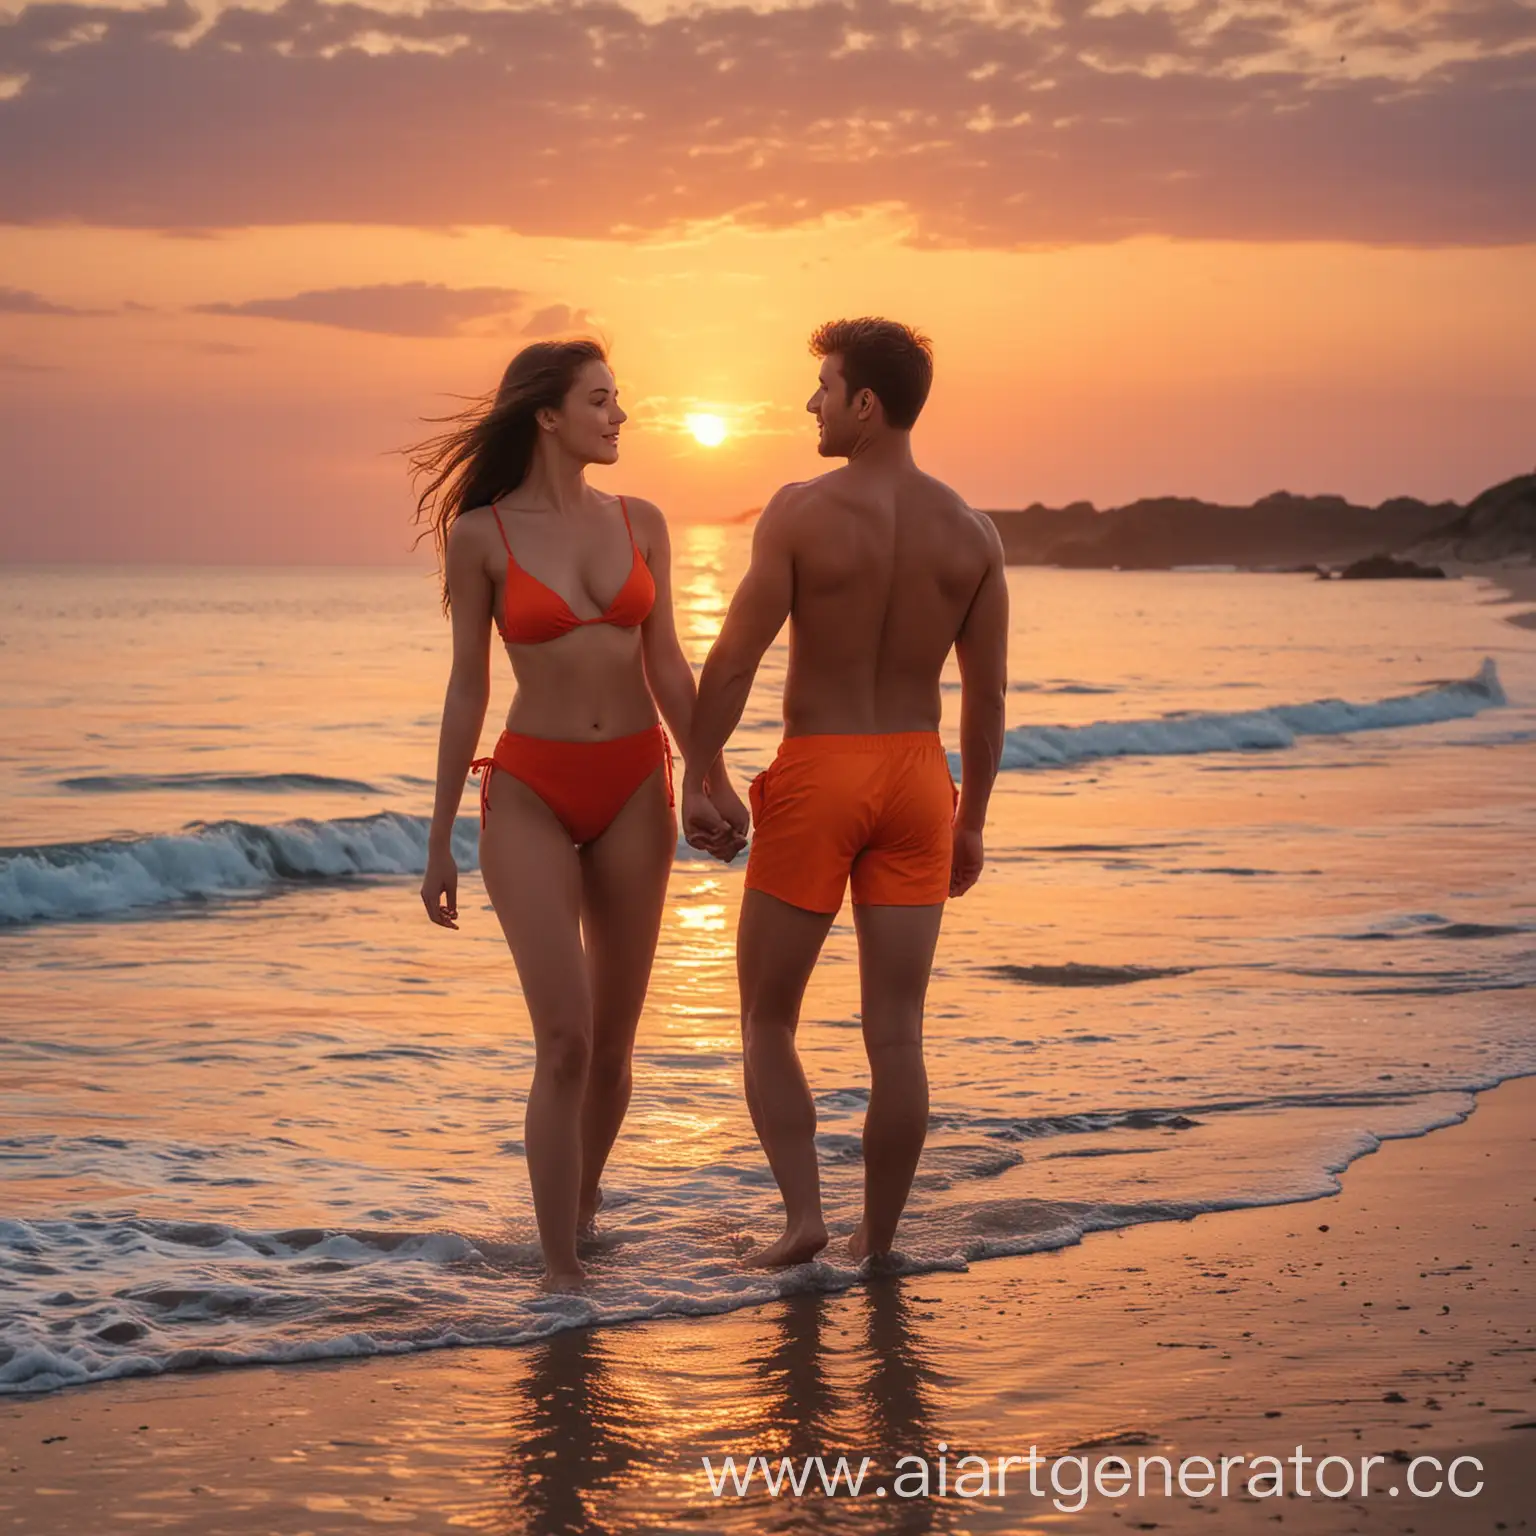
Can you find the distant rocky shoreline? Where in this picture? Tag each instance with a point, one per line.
(1281, 532)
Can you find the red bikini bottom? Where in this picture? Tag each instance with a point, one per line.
(585, 783)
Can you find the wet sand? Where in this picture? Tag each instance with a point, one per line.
(1518, 582)
(1393, 1319)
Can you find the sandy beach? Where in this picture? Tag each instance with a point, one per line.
(1391, 1320)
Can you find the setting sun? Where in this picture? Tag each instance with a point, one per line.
(709, 430)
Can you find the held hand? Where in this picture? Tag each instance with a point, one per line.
(965, 861)
(703, 826)
(440, 889)
(735, 814)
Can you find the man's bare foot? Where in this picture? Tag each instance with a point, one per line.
(796, 1246)
(564, 1280)
(586, 1215)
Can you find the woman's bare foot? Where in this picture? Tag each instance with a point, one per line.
(564, 1280)
(858, 1241)
(586, 1215)
(886, 1262)
(796, 1246)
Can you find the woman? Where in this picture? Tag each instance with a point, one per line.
(577, 827)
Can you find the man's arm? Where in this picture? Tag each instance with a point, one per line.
(671, 680)
(757, 614)
(667, 672)
(981, 648)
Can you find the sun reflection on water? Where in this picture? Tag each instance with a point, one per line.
(710, 918)
(699, 585)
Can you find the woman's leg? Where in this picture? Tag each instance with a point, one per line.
(623, 891)
(533, 878)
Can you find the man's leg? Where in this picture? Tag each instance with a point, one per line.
(896, 946)
(776, 950)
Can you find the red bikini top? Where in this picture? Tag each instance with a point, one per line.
(533, 612)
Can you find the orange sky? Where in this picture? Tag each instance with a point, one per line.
(1176, 249)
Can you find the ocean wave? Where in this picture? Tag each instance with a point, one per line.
(1073, 974)
(1030, 685)
(257, 783)
(59, 881)
(1055, 746)
(114, 876)
(1437, 928)
(1092, 1122)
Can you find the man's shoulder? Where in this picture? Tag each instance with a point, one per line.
(986, 531)
(785, 511)
(962, 521)
(796, 494)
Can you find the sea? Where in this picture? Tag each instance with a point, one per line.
(1259, 896)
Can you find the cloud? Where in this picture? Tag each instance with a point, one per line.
(556, 319)
(1036, 122)
(385, 309)
(13, 362)
(19, 301)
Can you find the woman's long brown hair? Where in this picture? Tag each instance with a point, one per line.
(488, 447)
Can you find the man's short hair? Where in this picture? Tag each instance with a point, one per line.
(891, 360)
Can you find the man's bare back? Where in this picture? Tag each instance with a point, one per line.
(886, 566)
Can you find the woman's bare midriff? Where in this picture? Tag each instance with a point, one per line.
(588, 685)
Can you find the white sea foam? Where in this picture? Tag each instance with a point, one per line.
(224, 858)
(1055, 746)
(59, 881)
(99, 1297)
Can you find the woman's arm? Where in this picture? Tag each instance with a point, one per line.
(469, 691)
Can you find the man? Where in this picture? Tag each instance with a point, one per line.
(880, 569)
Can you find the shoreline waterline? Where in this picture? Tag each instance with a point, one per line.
(1331, 1325)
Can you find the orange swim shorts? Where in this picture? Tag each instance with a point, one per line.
(874, 809)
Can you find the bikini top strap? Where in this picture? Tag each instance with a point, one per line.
(502, 531)
(623, 507)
